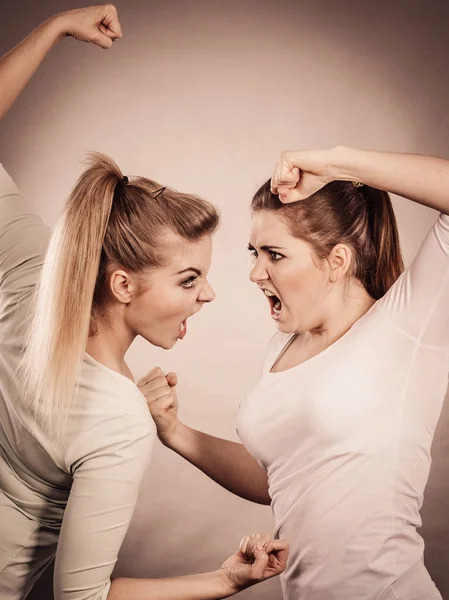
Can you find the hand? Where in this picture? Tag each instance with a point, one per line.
(160, 393)
(301, 173)
(98, 25)
(259, 557)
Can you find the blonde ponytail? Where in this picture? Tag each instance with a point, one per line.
(60, 326)
(106, 222)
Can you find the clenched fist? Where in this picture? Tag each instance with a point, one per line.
(259, 557)
(301, 173)
(98, 25)
(160, 392)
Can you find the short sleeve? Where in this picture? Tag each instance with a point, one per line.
(23, 239)
(107, 463)
(418, 302)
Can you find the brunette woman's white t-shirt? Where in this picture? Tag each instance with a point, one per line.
(73, 502)
(345, 439)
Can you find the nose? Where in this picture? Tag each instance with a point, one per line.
(258, 272)
(206, 294)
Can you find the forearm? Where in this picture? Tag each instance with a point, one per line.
(422, 179)
(205, 586)
(19, 64)
(228, 463)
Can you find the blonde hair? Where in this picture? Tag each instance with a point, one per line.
(106, 222)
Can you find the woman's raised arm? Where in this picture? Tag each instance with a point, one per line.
(98, 25)
(422, 179)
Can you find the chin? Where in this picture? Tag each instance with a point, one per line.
(164, 344)
(167, 345)
(285, 327)
(281, 326)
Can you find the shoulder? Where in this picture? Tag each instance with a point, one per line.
(113, 392)
(109, 411)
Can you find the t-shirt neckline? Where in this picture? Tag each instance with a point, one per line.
(284, 348)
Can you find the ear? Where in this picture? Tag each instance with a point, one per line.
(340, 260)
(123, 286)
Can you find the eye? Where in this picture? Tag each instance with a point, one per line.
(274, 256)
(252, 251)
(190, 282)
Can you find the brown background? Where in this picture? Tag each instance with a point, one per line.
(202, 95)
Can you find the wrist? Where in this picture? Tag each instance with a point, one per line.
(336, 165)
(228, 587)
(57, 26)
(173, 437)
(344, 162)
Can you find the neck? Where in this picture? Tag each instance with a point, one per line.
(109, 344)
(342, 315)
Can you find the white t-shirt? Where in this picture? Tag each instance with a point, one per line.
(79, 497)
(345, 439)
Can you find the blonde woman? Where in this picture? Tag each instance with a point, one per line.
(128, 258)
(337, 433)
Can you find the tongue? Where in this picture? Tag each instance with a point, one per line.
(183, 330)
(276, 308)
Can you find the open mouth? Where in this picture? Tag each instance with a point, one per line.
(275, 304)
(183, 326)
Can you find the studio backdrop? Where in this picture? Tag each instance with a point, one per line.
(202, 95)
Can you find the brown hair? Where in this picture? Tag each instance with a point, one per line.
(106, 223)
(361, 217)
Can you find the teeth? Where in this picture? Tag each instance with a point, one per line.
(277, 306)
(183, 326)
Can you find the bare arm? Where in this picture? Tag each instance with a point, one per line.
(268, 557)
(190, 587)
(422, 179)
(98, 25)
(204, 586)
(228, 463)
(18, 65)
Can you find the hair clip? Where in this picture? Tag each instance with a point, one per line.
(125, 179)
(157, 193)
(357, 183)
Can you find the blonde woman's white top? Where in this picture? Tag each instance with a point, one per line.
(75, 501)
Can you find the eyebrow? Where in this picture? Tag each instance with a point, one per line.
(197, 271)
(266, 248)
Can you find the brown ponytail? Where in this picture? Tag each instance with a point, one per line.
(383, 232)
